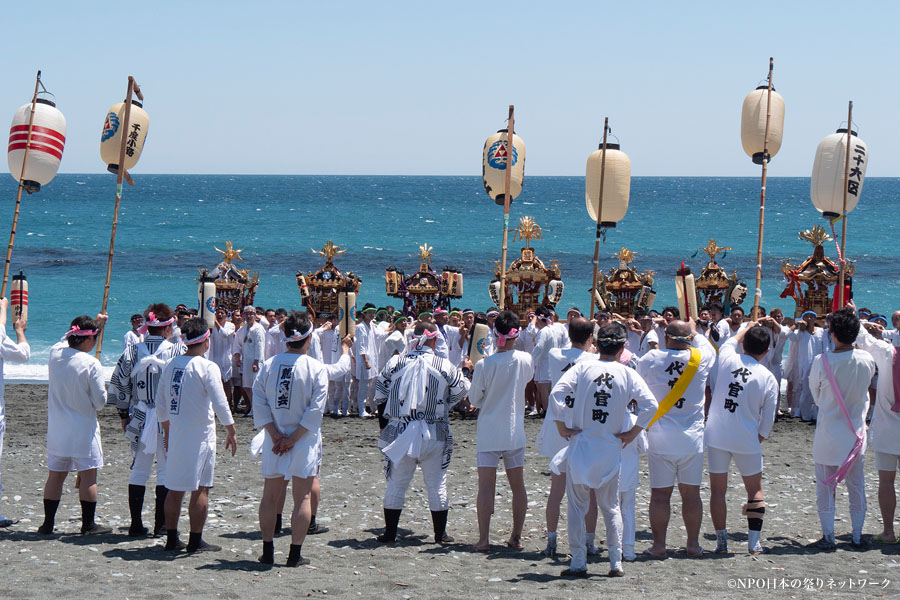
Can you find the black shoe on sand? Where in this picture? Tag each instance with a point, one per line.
(176, 546)
(574, 573)
(8, 522)
(137, 531)
(45, 530)
(94, 529)
(316, 529)
(203, 547)
(298, 562)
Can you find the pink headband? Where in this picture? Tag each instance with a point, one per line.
(419, 340)
(80, 332)
(440, 311)
(501, 339)
(152, 322)
(197, 340)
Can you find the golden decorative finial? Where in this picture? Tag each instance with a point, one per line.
(425, 252)
(625, 255)
(816, 236)
(329, 251)
(528, 230)
(229, 254)
(713, 249)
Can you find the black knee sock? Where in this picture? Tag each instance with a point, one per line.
(87, 513)
(277, 524)
(171, 538)
(159, 520)
(50, 507)
(312, 522)
(754, 523)
(268, 555)
(294, 554)
(194, 541)
(439, 520)
(391, 521)
(136, 503)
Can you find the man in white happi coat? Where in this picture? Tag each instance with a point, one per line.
(221, 342)
(741, 415)
(675, 436)
(807, 342)
(366, 360)
(133, 335)
(418, 389)
(132, 388)
(252, 340)
(75, 393)
(591, 403)
(190, 397)
(13, 352)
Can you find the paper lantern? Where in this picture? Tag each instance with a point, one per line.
(555, 288)
(392, 280)
(111, 138)
(451, 283)
(645, 298)
(616, 185)
(48, 139)
(686, 293)
(493, 166)
(494, 291)
(753, 123)
(478, 338)
(206, 295)
(18, 297)
(829, 176)
(346, 313)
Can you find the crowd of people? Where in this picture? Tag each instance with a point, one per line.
(609, 389)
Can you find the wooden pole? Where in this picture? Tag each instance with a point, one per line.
(120, 176)
(510, 133)
(844, 210)
(762, 195)
(599, 212)
(12, 233)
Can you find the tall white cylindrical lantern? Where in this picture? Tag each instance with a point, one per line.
(753, 123)
(206, 297)
(111, 138)
(48, 139)
(829, 176)
(616, 185)
(495, 157)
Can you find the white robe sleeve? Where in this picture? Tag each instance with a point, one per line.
(312, 416)
(262, 412)
(478, 388)
(217, 395)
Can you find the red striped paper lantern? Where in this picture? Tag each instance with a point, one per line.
(48, 139)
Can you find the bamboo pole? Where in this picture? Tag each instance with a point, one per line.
(762, 195)
(510, 133)
(599, 212)
(133, 88)
(844, 210)
(12, 233)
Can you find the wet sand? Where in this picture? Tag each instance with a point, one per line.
(348, 562)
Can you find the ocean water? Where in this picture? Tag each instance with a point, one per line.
(170, 224)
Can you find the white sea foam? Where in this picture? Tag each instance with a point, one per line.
(34, 373)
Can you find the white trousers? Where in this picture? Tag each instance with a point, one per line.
(608, 502)
(365, 396)
(430, 461)
(2, 433)
(142, 465)
(626, 507)
(856, 490)
(803, 401)
(338, 397)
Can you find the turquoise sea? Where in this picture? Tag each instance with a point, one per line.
(169, 224)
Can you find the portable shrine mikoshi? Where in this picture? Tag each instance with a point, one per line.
(235, 288)
(424, 290)
(528, 283)
(818, 273)
(715, 285)
(624, 289)
(319, 291)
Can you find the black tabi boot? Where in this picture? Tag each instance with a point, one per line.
(135, 507)
(391, 520)
(439, 519)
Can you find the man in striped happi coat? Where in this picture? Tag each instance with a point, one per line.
(418, 389)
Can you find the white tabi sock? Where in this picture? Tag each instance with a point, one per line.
(857, 519)
(722, 537)
(826, 519)
(615, 559)
(589, 539)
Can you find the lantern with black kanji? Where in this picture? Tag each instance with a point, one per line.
(111, 138)
(830, 173)
(753, 123)
(495, 158)
(616, 185)
(48, 139)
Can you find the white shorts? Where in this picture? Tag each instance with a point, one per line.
(883, 461)
(302, 461)
(666, 469)
(79, 463)
(512, 459)
(718, 461)
(192, 470)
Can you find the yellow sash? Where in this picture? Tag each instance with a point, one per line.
(679, 388)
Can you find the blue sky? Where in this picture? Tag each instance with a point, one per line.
(415, 88)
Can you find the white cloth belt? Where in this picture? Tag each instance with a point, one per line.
(150, 435)
(409, 442)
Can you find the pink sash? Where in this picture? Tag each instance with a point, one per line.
(860, 437)
(896, 406)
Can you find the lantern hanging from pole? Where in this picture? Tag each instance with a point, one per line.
(616, 185)
(48, 139)
(111, 138)
(493, 167)
(829, 177)
(753, 123)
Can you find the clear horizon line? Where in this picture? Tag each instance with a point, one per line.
(460, 175)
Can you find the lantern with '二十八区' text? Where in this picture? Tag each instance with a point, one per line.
(495, 158)
(45, 146)
(613, 204)
(753, 124)
(111, 138)
(830, 173)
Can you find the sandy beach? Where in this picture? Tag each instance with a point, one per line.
(348, 562)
